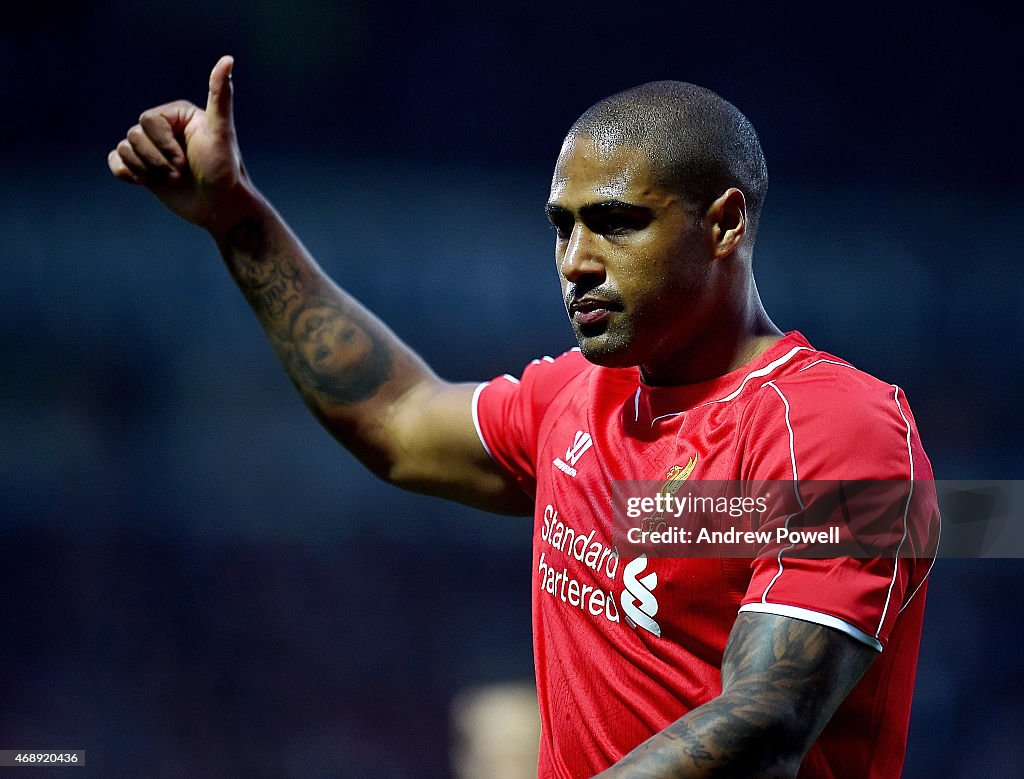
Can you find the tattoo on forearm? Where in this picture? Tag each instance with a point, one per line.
(793, 674)
(337, 354)
(332, 351)
(281, 287)
(270, 280)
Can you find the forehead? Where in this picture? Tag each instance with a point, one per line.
(592, 169)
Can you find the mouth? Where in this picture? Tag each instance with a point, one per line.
(590, 311)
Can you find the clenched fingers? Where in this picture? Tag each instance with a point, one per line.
(147, 152)
(163, 124)
(138, 156)
(151, 150)
(116, 163)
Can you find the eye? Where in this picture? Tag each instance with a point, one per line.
(562, 225)
(620, 222)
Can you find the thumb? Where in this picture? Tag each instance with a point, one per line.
(218, 103)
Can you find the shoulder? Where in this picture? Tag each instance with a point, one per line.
(541, 381)
(546, 376)
(569, 364)
(835, 420)
(823, 382)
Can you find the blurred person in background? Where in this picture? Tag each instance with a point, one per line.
(496, 730)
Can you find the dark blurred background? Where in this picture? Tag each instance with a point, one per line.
(194, 579)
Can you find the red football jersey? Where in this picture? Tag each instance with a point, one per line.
(625, 646)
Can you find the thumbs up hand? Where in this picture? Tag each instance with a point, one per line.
(186, 156)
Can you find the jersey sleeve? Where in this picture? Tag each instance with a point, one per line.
(508, 412)
(842, 452)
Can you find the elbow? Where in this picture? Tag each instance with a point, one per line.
(365, 440)
(401, 474)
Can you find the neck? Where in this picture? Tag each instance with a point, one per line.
(727, 343)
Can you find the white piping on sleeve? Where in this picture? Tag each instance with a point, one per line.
(830, 362)
(935, 556)
(476, 415)
(906, 512)
(796, 490)
(797, 612)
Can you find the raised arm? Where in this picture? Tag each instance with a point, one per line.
(782, 680)
(366, 387)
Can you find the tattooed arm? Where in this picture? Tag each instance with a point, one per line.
(782, 680)
(368, 389)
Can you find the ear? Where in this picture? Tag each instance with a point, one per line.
(726, 219)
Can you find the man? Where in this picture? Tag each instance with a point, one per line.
(646, 666)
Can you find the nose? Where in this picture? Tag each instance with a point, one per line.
(580, 257)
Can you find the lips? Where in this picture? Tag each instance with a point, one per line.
(592, 311)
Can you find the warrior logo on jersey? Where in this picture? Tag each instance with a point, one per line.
(581, 443)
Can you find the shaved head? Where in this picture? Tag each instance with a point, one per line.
(698, 144)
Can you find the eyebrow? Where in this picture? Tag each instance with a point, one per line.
(594, 209)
